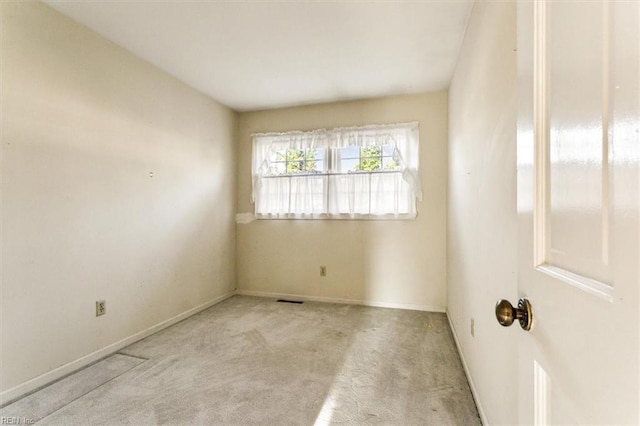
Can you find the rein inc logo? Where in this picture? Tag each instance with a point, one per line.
(16, 421)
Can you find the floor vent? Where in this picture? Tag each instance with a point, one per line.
(297, 302)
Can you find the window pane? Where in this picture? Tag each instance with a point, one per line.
(388, 194)
(350, 152)
(308, 195)
(277, 168)
(297, 161)
(273, 197)
(315, 161)
(351, 194)
(388, 163)
(361, 159)
(370, 158)
(278, 156)
(370, 151)
(349, 165)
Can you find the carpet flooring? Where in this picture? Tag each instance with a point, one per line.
(255, 361)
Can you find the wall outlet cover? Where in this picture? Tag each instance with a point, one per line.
(101, 307)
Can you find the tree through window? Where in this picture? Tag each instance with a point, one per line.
(296, 161)
(367, 158)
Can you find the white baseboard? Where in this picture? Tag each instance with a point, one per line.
(408, 306)
(29, 386)
(474, 392)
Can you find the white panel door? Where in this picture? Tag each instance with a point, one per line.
(579, 209)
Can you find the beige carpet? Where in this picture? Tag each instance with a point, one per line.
(256, 361)
(59, 394)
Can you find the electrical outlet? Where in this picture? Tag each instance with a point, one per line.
(473, 327)
(323, 271)
(101, 307)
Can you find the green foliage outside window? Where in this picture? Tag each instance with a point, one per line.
(298, 160)
(371, 160)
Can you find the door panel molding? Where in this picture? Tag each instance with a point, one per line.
(575, 252)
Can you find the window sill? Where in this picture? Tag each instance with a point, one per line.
(345, 216)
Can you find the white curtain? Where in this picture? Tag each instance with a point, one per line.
(332, 192)
(377, 194)
(282, 196)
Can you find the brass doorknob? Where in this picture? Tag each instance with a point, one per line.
(506, 313)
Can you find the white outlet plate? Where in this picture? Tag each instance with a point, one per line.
(101, 307)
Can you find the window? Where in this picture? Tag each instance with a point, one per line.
(296, 161)
(358, 172)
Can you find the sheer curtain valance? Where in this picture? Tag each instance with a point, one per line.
(354, 172)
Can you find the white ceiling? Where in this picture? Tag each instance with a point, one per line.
(253, 55)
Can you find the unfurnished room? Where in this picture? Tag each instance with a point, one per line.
(314, 212)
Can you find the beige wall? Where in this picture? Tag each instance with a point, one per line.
(482, 228)
(84, 124)
(398, 263)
